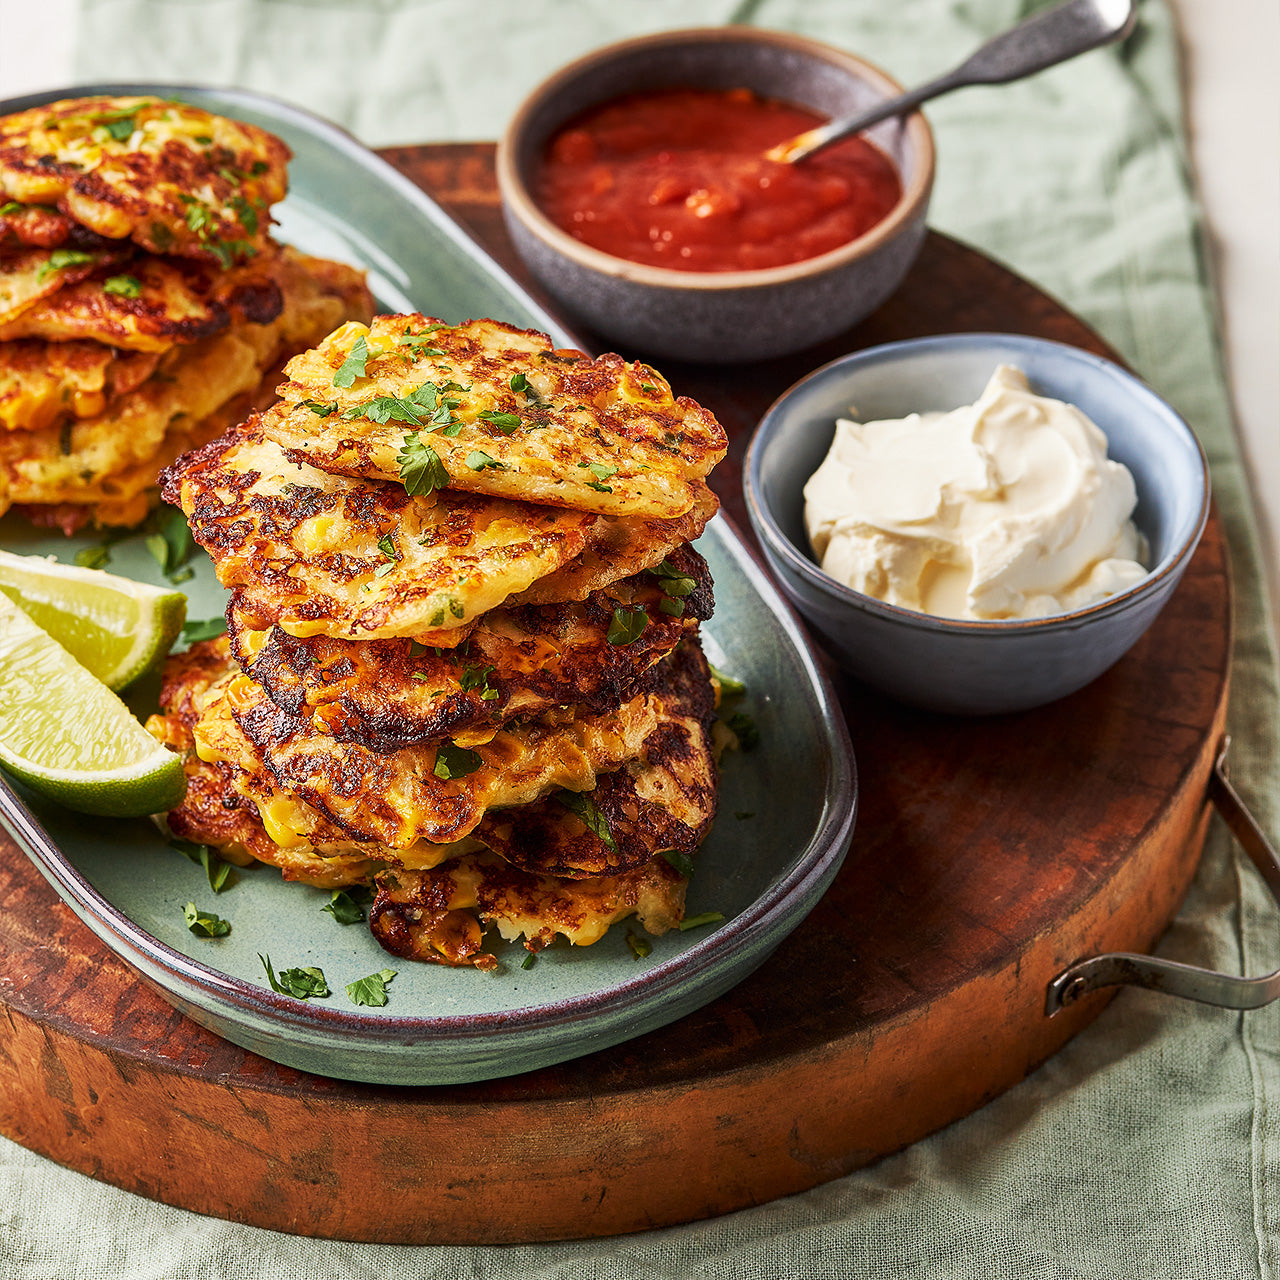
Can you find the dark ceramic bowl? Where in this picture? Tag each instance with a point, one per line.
(731, 315)
(975, 667)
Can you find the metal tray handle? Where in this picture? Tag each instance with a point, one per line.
(1184, 980)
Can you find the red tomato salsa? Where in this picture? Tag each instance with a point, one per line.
(677, 178)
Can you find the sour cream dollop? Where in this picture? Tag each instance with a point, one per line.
(1006, 508)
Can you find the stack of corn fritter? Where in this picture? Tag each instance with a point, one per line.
(144, 308)
(462, 663)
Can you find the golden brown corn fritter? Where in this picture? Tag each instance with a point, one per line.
(463, 665)
(144, 307)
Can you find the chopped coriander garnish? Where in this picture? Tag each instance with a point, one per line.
(640, 947)
(602, 470)
(681, 861)
(320, 410)
(345, 906)
(744, 729)
(93, 557)
(478, 460)
(453, 761)
(696, 922)
(372, 990)
(123, 286)
(204, 924)
(11, 206)
(302, 984)
(627, 625)
(648, 388)
(421, 471)
(586, 811)
(383, 569)
(173, 545)
(529, 960)
(206, 630)
(387, 545)
(354, 365)
(59, 260)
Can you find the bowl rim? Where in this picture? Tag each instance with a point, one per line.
(519, 201)
(777, 543)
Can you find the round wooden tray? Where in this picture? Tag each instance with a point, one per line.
(988, 856)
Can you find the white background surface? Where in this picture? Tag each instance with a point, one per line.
(1231, 55)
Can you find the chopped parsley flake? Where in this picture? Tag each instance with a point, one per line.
(505, 422)
(372, 990)
(121, 130)
(453, 761)
(345, 906)
(476, 680)
(204, 924)
(421, 471)
(640, 947)
(727, 683)
(696, 922)
(353, 366)
(679, 860)
(744, 729)
(478, 460)
(123, 286)
(627, 625)
(387, 545)
(302, 984)
(588, 813)
(59, 260)
(320, 410)
(93, 557)
(206, 630)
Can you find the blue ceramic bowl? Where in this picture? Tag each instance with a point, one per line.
(722, 315)
(977, 667)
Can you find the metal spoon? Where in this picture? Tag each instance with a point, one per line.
(1043, 40)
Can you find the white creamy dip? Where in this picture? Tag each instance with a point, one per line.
(1007, 508)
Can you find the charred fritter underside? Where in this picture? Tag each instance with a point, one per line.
(502, 413)
(439, 916)
(570, 864)
(432, 793)
(517, 662)
(173, 178)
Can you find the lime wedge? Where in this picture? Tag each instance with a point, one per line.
(63, 732)
(114, 627)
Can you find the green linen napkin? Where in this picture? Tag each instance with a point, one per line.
(1148, 1147)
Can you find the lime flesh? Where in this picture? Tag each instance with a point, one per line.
(64, 733)
(114, 627)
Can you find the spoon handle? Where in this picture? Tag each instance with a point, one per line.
(1043, 40)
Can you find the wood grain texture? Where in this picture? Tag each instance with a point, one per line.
(988, 855)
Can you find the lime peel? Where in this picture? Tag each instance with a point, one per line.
(66, 735)
(116, 628)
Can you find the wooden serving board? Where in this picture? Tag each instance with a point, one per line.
(988, 855)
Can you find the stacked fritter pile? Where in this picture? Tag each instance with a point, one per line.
(144, 308)
(462, 662)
